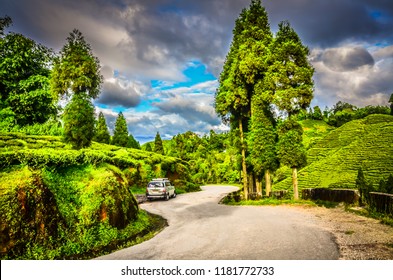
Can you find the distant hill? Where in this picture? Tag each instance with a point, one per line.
(333, 160)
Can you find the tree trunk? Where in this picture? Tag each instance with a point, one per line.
(250, 183)
(244, 166)
(294, 183)
(258, 183)
(268, 182)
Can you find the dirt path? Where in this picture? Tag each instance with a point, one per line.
(358, 237)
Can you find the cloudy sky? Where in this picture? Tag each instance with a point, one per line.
(161, 58)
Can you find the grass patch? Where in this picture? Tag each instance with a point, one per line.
(365, 212)
(349, 232)
(138, 190)
(268, 201)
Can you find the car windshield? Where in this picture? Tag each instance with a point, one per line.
(155, 185)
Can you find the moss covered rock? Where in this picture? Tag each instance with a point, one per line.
(28, 211)
(107, 197)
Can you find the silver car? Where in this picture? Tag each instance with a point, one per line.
(160, 188)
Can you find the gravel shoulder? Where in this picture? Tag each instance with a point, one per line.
(358, 237)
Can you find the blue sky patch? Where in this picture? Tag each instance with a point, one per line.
(196, 72)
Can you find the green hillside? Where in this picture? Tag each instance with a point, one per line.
(56, 202)
(314, 130)
(334, 159)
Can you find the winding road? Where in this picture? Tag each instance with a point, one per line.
(201, 229)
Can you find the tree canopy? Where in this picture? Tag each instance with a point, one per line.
(102, 133)
(77, 73)
(264, 75)
(79, 121)
(158, 147)
(120, 134)
(24, 78)
(77, 69)
(132, 143)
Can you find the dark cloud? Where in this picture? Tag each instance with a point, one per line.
(114, 94)
(190, 111)
(361, 80)
(170, 32)
(351, 43)
(347, 59)
(328, 23)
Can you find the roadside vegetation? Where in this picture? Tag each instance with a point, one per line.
(67, 184)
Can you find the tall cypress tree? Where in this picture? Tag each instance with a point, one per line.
(243, 69)
(77, 72)
(290, 148)
(77, 69)
(79, 117)
(102, 133)
(391, 104)
(120, 134)
(290, 77)
(158, 147)
(262, 140)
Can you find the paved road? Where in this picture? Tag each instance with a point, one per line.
(200, 228)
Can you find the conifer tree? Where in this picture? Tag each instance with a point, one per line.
(317, 114)
(262, 140)
(77, 69)
(290, 149)
(78, 118)
(290, 77)
(148, 147)
(158, 147)
(102, 133)
(391, 104)
(132, 143)
(77, 73)
(243, 70)
(120, 134)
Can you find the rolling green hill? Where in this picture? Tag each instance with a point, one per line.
(56, 202)
(314, 130)
(334, 159)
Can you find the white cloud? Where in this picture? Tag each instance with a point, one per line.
(353, 75)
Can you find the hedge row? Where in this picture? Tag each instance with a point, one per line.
(62, 158)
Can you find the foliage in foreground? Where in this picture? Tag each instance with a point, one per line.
(65, 212)
(57, 202)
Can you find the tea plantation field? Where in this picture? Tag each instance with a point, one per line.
(334, 159)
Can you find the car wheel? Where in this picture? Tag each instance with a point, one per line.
(167, 196)
(174, 194)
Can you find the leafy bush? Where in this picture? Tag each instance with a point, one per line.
(51, 127)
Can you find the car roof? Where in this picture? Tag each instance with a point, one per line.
(160, 179)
